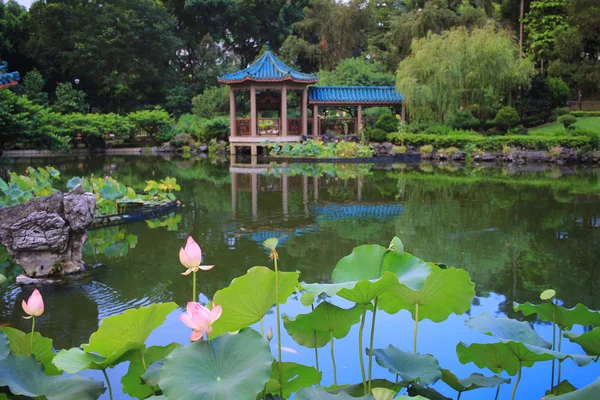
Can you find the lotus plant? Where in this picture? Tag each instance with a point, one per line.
(33, 307)
(271, 245)
(200, 319)
(191, 257)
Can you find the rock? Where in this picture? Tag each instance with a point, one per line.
(383, 150)
(46, 235)
(537, 156)
(25, 280)
(568, 155)
(458, 156)
(488, 157)
(350, 138)
(203, 149)
(442, 156)
(329, 137)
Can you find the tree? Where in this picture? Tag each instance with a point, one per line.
(213, 101)
(14, 32)
(68, 99)
(357, 72)
(33, 85)
(475, 70)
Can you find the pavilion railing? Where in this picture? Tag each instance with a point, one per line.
(242, 126)
(269, 126)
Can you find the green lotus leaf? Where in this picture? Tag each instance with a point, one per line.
(24, 376)
(589, 341)
(73, 182)
(315, 328)
(20, 344)
(507, 329)
(75, 360)
(2, 279)
(295, 377)
(444, 292)
(271, 243)
(589, 392)
(319, 393)
(131, 383)
(563, 387)
(564, 317)
(361, 292)
(383, 394)
(411, 367)
(226, 367)
(250, 297)
(548, 294)
(113, 190)
(152, 374)
(475, 381)
(416, 391)
(4, 345)
(121, 333)
(357, 389)
(396, 245)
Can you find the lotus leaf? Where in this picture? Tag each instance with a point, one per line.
(475, 381)
(313, 329)
(226, 367)
(507, 329)
(73, 182)
(444, 292)
(24, 376)
(590, 341)
(295, 377)
(319, 393)
(411, 367)
(589, 392)
(250, 297)
(152, 374)
(4, 345)
(548, 294)
(416, 391)
(131, 383)
(383, 394)
(357, 389)
(564, 317)
(20, 344)
(2, 279)
(563, 387)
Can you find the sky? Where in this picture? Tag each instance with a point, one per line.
(26, 3)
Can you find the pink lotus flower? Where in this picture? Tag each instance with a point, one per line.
(191, 257)
(200, 319)
(34, 307)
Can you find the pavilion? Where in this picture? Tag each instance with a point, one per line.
(7, 78)
(270, 82)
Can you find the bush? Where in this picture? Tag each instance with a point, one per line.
(585, 113)
(400, 149)
(506, 118)
(558, 90)
(495, 143)
(376, 135)
(181, 140)
(557, 112)
(213, 101)
(567, 120)
(427, 149)
(463, 120)
(555, 151)
(149, 121)
(450, 150)
(387, 123)
(217, 128)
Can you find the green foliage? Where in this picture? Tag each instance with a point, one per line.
(565, 318)
(411, 367)
(567, 120)
(589, 341)
(212, 102)
(357, 72)
(375, 135)
(68, 99)
(476, 69)
(33, 84)
(559, 91)
(475, 381)
(463, 120)
(426, 149)
(149, 122)
(506, 118)
(21, 188)
(317, 149)
(387, 123)
(581, 114)
(542, 21)
(495, 143)
(226, 367)
(589, 392)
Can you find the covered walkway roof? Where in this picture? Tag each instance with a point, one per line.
(7, 78)
(354, 95)
(268, 68)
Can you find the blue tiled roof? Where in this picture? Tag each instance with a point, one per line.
(268, 68)
(7, 78)
(354, 95)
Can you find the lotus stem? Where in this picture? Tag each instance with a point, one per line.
(459, 394)
(278, 325)
(312, 306)
(360, 347)
(497, 392)
(110, 393)
(262, 328)
(194, 298)
(416, 327)
(32, 331)
(514, 391)
(142, 352)
(333, 361)
(371, 344)
(560, 334)
(553, 341)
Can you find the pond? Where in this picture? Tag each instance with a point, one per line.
(517, 230)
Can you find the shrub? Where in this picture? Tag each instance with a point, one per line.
(496, 143)
(213, 101)
(555, 151)
(387, 123)
(376, 135)
(149, 122)
(182, 139)
(557, 112)
(451, 150)
(427, 149)
(585, 113)
(518, 130)
(463, 120)
(506, 118)
(217, 128)
(186, 149)
(166, 134)
(558, 90)
(567, 120)
(400, 149)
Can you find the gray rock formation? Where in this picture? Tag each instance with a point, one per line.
(385, 149)
(46, 235)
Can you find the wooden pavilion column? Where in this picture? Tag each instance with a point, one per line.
(359, 119)
(284, 117)
(253, 112)
(232, 121)
(304, 111)
(315, 131)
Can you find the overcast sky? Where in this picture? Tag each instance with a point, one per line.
(26, 3)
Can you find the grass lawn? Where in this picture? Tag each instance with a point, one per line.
(589, 123)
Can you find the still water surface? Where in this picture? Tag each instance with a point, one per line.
(516, 230)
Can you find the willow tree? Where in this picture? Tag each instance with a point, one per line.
(462, 69)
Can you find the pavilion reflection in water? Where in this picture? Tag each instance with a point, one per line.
(265, 179)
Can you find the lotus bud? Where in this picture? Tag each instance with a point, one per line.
(270, 334)
(307, 299)
(34, 307)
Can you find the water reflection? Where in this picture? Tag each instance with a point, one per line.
(517, 230)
